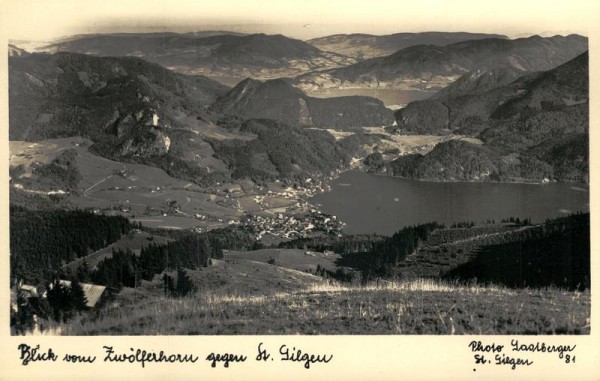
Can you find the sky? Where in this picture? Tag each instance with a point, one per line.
(49, 19)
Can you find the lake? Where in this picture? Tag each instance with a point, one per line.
(390, 97)
(382, 204)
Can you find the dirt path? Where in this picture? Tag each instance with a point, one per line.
(95, 185)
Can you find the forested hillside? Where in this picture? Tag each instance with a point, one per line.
(513, 253)
(535, 128)
(452, 161)
(283, 151)
(41, 242)
(555, 254)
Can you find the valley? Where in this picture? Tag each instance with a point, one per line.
(201, 179)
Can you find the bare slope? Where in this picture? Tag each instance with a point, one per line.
(296, 259)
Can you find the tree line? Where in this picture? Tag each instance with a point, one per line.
(347, 244)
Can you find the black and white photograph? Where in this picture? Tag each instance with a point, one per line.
(281, 168)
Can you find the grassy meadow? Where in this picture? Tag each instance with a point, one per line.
(411, 307)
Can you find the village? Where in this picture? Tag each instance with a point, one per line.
(289, 226)
(280, 210)
(285, 212)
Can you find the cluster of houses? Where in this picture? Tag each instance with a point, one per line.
(286, 226)
(311, 187)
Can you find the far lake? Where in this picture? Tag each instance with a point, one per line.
(381, 204)
(389, 97)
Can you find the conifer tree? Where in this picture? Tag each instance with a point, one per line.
(168, 285)
(78, 298)
(184, 284)
(59, 299)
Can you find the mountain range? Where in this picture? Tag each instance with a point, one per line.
(434, 67)
(518, 97)
(364, 46)
(226, 57)
(131, 109)
(135, 111)
(429, 60)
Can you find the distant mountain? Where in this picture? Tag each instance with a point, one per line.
(431, 67)
(533, 128)
(203, 33)
(227, 57)
(365, 46)
(279, 100)
(273, 99)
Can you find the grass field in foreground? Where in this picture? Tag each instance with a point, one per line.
(416, 307)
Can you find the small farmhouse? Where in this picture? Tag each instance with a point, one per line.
(94, 294)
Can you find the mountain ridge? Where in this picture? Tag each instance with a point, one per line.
(225, 57)
(364, 46)
(424, 67)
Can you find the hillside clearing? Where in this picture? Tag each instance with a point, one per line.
(301, 260)
(135, 240)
